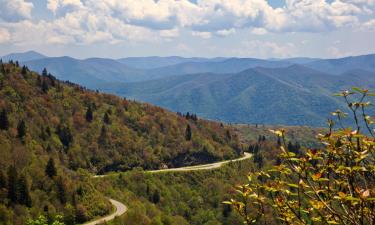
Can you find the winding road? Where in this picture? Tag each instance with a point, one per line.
(121, 208)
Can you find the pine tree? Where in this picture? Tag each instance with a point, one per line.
(156, 197)
(106, 118)
(24, 70)
(21, 129)
(188, 133)
(61, 190)
(45, 86)
(65, 136)
(12, 184)
(23, 192)
(89, 114)
(102, 140)
(3, 180)
(44, 72)
(4, 121)
(51, 168)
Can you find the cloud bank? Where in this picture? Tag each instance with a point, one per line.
(113, 21)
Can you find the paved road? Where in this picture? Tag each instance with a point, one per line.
(202, 167)
(120, 209)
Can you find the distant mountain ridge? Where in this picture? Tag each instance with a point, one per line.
(22, 57)
(294, 95)
(295, 91)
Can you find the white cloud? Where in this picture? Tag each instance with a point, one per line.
(204, 35)
(259, 31)
(225, 32)
(15, 10)
(172, 33)
(265, 49)
(4, 35)
(112, 21)
(369, 25)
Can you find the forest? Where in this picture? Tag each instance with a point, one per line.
(54, 133)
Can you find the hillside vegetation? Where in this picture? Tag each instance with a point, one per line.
(294, 95)
(51, 132)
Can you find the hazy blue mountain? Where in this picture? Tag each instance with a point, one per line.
(86, 72)
(338, 66)
(295, 95)
(22, 57)
(232, 65)
(153, 62)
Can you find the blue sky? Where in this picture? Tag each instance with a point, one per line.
(208, 28)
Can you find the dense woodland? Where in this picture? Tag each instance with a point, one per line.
(53, 134)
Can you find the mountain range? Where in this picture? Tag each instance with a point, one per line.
(295, 91)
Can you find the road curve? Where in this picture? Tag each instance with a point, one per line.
(120, 209)
(201, 167)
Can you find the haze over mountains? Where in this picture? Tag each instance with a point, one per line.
(296, 91)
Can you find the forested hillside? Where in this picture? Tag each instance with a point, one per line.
(51, 132)
(304, 96)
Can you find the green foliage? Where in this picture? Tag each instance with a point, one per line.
(51, 168)
(50, 117)
(41, 220)
(4, 121)
(21, 129)
(331, 185)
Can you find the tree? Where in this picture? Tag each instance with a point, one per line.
(4, 121)
(62, 190)
(331, 185)
(102, 140)
(3, 180)
(21, 129)
(65, 136)
(23, 192)
(24, 70)
(188, 133)
(45, 86)
(50, 168)
(42, 220)
(12, 184)
(156, 197)
(89, 114)
(44, 72)
(106, 118)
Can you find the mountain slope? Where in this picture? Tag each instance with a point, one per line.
(22, 57)
(153, 62)
(44, 119)
(295, 95)
(86, 72)
(338, 66)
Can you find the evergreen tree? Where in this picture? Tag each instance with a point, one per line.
(188, 133)
(51, 168)
(44, 72)
(156, 197)
(4, 121)
(102, 140)
(24, 70)
(61, 190)
(65, 136)
(12, 184)
(23, 190)
(89, 114)
(45, 87)
(21, 129)
(106, 118)
(3, 180)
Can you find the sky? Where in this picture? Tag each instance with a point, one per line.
(204, 28)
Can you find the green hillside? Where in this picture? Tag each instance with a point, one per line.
(295, 95)
(52, 133)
